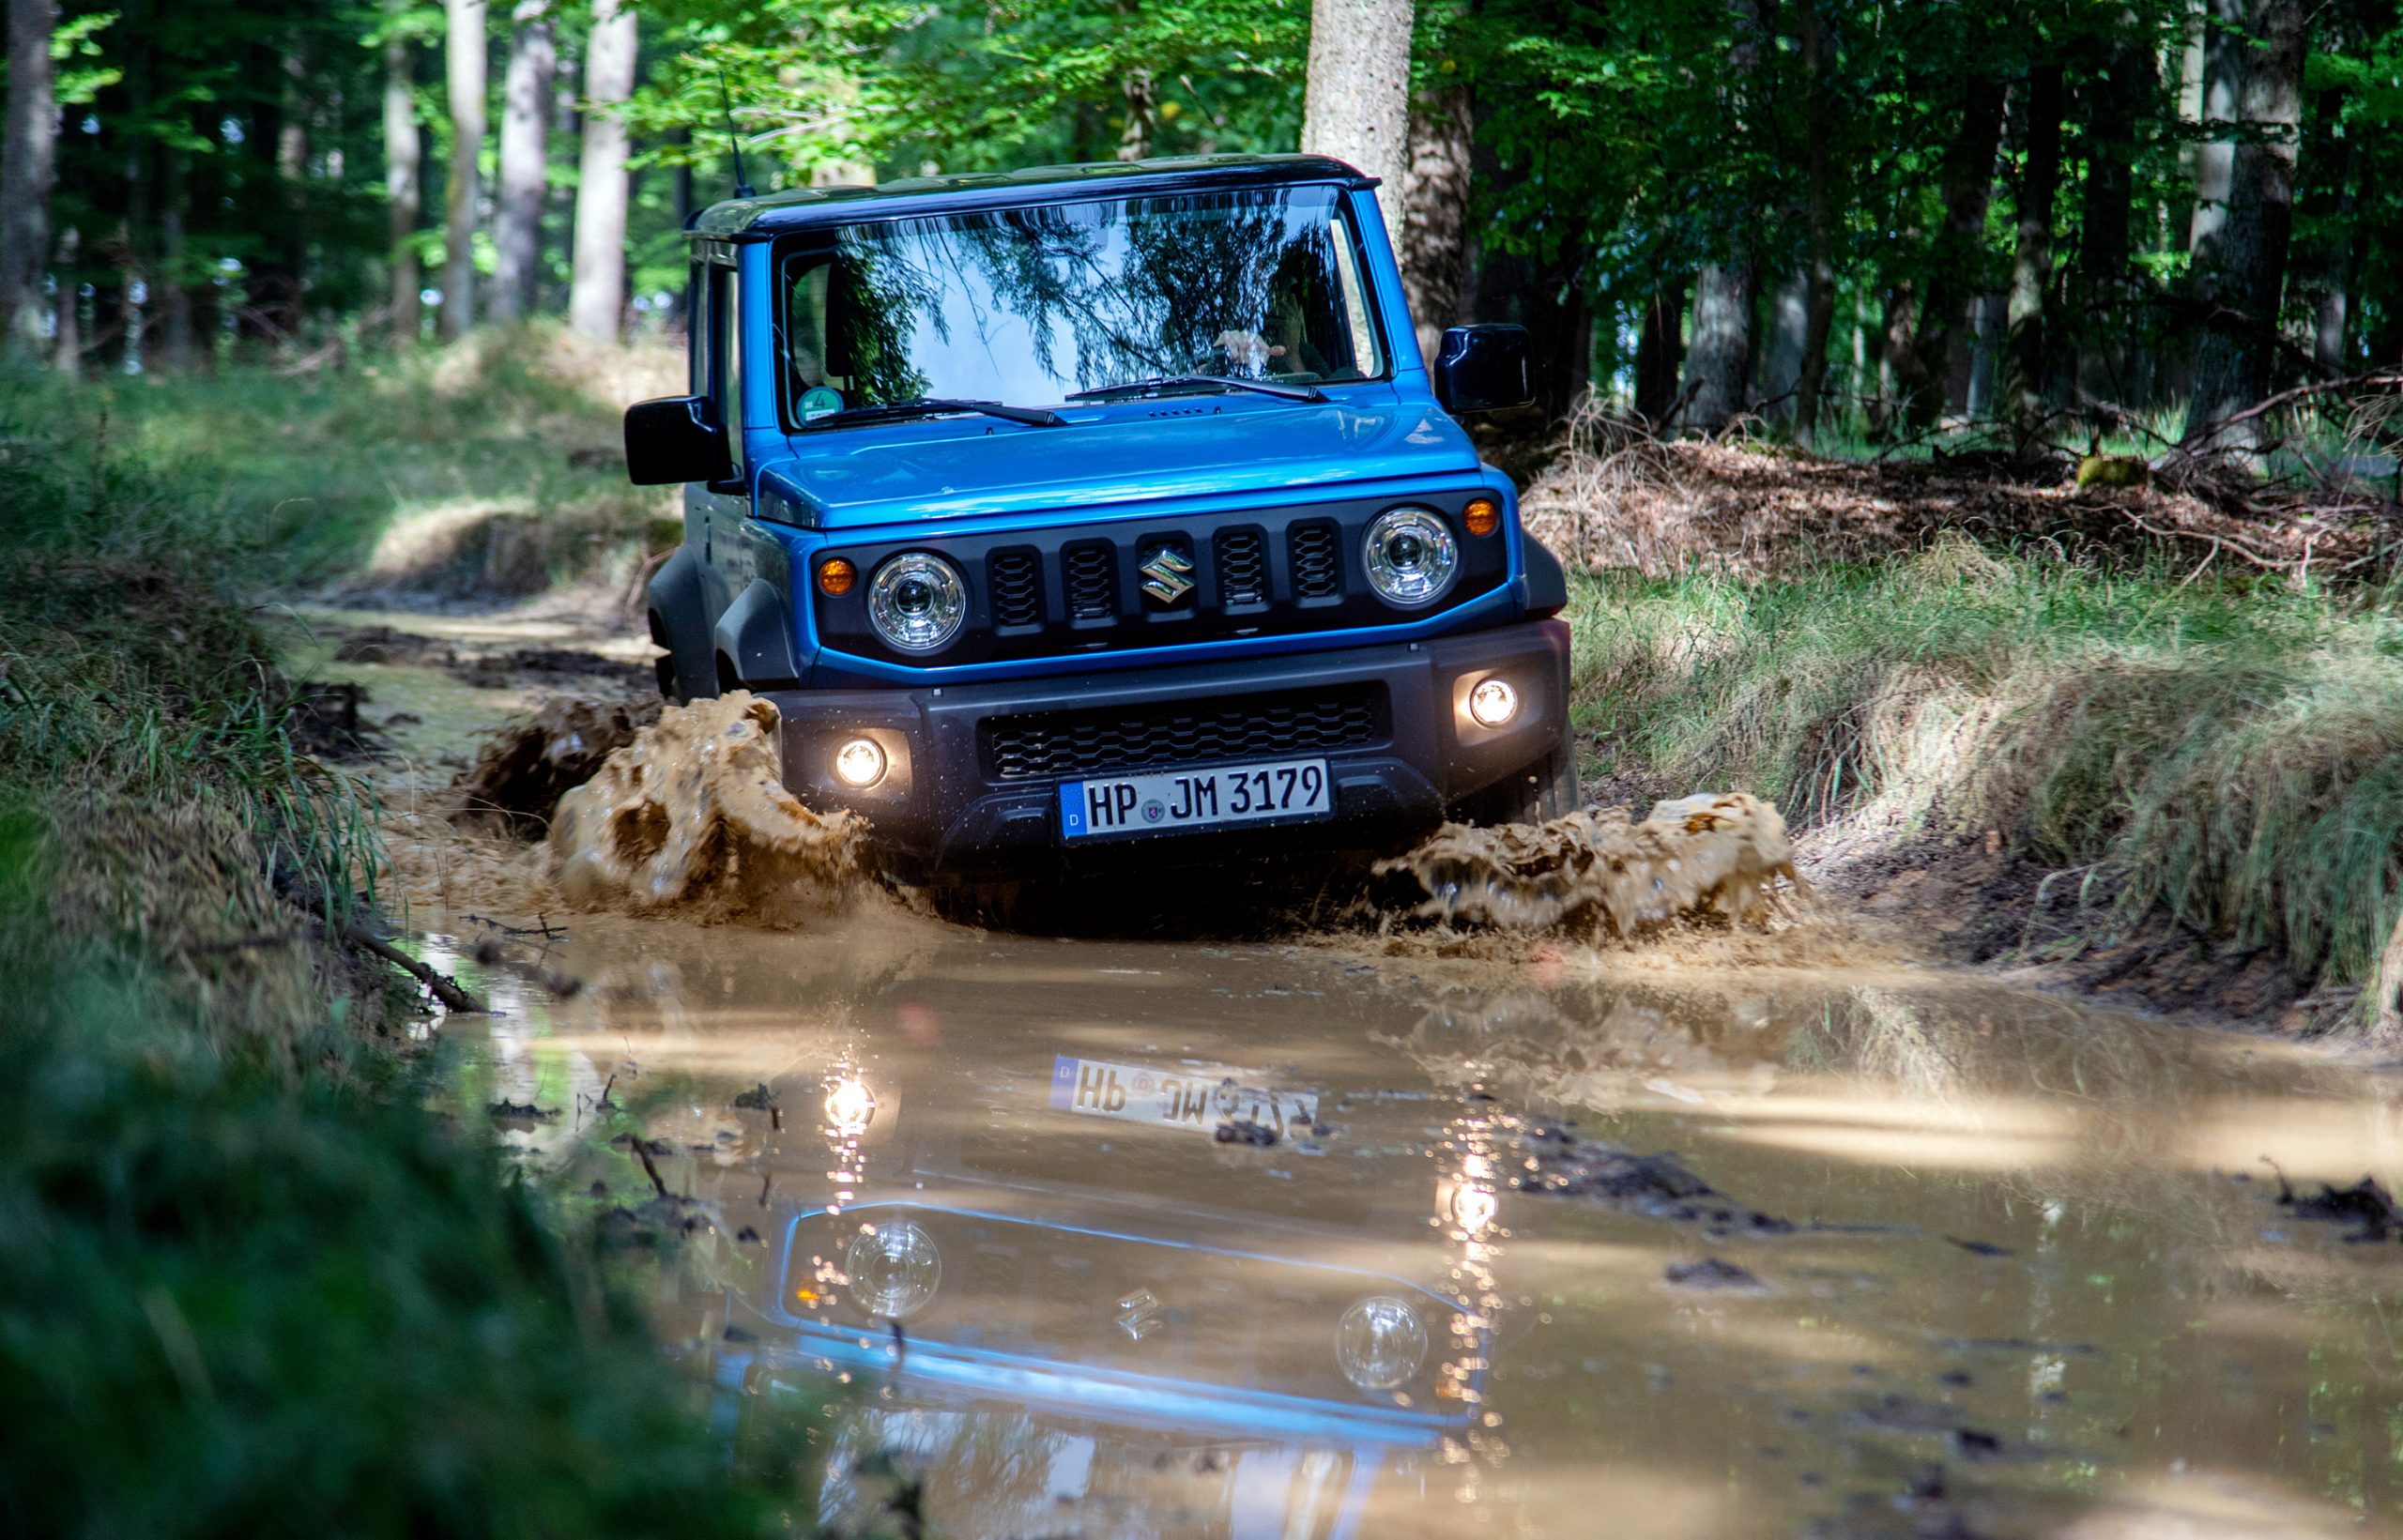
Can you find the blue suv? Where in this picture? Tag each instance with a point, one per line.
(1089, 514)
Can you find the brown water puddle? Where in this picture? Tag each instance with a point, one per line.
(2019, 1292)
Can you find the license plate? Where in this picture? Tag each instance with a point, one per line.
(1190, 1099)
(1201, 798)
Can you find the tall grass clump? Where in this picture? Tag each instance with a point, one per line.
(250, 1284)
(2227, 751)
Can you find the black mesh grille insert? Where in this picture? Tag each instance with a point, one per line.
(1016, 580)
(1092, 577)
(1318, 571)
(1148, 736)
(1243, 568)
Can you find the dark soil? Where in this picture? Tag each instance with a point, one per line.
(523, 769)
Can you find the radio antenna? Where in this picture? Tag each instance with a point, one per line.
(725, 105)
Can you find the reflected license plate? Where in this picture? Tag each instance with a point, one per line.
(1199, 798)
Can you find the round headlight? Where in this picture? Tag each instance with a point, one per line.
(1411, 556)
(1379, 1343)
(918, 601)
(894, 1269)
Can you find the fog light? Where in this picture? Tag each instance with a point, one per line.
(1494, 703)
(1380, 1343)
(851, 1106)
(894, 1269)
(859, 763)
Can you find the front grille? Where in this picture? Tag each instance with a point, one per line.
(1317, 569)
(1243, 568)
(1153, 737)
(1016, 577)
(1093, 581)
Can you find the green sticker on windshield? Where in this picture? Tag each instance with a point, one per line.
(819, 401)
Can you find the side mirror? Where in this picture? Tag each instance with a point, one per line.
(676, 439)
(1485, 369)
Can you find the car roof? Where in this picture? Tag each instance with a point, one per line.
(797, 208)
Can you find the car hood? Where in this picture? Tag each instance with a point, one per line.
(1133, 453)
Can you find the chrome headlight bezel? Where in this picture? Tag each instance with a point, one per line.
(1414, 578)
(932, 625)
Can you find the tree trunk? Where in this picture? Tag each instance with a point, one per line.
(29, 164)
(1922, 359)
(1357, 105)
(403, 178)
(2025, 351)
(1434, 229)
(2224, 51)
(1820, 312)
(597, 294)
(1657, 350)
(2332, 163)
(525, 162)
(2243, 289)
(1142, 96)
(66, 344)
(2105, 296)
(1789, 309)
(464, 74)
(1718, 354)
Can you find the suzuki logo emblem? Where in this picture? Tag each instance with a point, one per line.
(1167, 575)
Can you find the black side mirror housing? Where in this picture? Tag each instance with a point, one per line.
(1485, 369)
(676, 439)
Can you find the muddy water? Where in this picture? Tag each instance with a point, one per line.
(1970, 1261)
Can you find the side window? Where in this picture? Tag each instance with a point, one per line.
(725, 315)
(702, 318)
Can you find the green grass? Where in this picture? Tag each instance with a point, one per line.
(251, 1284)
(300, 475)
(2228, 751)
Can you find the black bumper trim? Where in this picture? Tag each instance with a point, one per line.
(943, 808)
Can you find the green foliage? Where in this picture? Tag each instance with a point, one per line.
(2231, 751)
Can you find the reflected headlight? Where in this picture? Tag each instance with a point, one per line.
(918, 601)
(1411, 556)
(1380, 1343)
(894, 1269)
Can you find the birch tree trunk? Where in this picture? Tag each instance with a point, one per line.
(597, 293)
(1435, 221)
(1789, 321)
(463, 54)
(404, 179)
(1143, 102)
(29, 164)
(2242, 288)
(525, 162)
(2223, 49)
(1357, 105)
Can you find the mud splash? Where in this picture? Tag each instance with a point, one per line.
(1600, 873)
(693, 819)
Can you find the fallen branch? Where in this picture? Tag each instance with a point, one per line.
(445, 988)
(2195, 444)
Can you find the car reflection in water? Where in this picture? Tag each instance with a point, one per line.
(1036, 1315)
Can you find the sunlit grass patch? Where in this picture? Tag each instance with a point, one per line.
(2229, 751)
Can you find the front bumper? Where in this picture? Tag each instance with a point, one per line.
(945, 804)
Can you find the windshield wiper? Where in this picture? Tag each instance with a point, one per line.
(1034, 417)
(1170, 382)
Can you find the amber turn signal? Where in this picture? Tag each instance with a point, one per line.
(835, 578)
(1481, 516)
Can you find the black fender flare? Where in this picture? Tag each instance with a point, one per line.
(1544, 587)
(680, 622)
(755, 635)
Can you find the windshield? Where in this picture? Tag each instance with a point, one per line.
(1027, 306)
